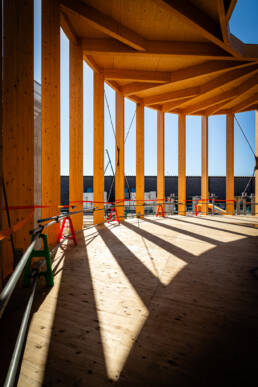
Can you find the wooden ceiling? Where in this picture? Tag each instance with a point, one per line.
(177, 56)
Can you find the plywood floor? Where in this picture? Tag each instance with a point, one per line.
(159, 302)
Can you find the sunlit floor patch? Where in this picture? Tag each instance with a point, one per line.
(121, 312)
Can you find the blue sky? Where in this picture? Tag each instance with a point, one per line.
(242, 24)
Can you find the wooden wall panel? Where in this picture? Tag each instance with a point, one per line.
(230, 163)
(205, 179)
(160, 157)
(181, 165)
(98, 169)
(140, 158)
(256, 153)
(51, 112)
(120, 176)
(18, 120)
(76, 131)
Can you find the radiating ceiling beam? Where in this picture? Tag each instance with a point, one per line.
(223, 21)
(224, 95)
(230, 9)
(228, 78)
(137, 75)
(136, 87)
(197, 19)
(111, 47)
(106, 24)
(172, 95)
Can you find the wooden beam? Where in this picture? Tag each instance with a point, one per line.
(136, 87)
(106, 24)
(68, 28)
(244, 104)
(223, 96)
(18, 123)
(91, 62)
(230, 9)
(140, 159)
(181, 165)
(197, 19)
(179, 49)
(98, 168)
(76, 131)
(159, 77)
(160, 158)
(223, 21)
(256, 154)
(171, 95)
(230, 164)
(205, 179)
(170, 106)
(137, 75)
(228, 78)
(215, 108)
(51, 113)
(120, 176)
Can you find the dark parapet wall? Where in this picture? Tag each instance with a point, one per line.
(217, 185)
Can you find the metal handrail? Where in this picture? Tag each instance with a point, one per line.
(9, 288)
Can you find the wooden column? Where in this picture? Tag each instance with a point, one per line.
(205, 181)
(160, 157)
(181, 165)
(256, 154)
(76, 131)
(98, 178)
(18, 121)
(140, 158)
(51, 112)
(230, 163)
(1, 158)
(120, 176)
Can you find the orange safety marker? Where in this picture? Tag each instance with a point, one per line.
(60, 234)
(160, 211)
(110, 216)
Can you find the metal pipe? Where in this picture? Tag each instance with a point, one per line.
(10, 286)
(12, 371)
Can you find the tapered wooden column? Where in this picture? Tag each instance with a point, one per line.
(120, 176)
(256, 154)
(76, 131)
(51, 113)
(140, 159)
(230, 164)
(98, 170)
(18, 121)
(160, 158)
(205, 181)
(181, 165)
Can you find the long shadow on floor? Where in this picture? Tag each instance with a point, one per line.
(75, 355)
(202, 328)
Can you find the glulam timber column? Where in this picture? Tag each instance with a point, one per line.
(18, 122)
(140, 159)
(98, 169)
(160, 158)
(181, 165)
(205, 181)
(76, 131)
(230, 164)
(50, 113)
(120, 177)
(256, 154)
